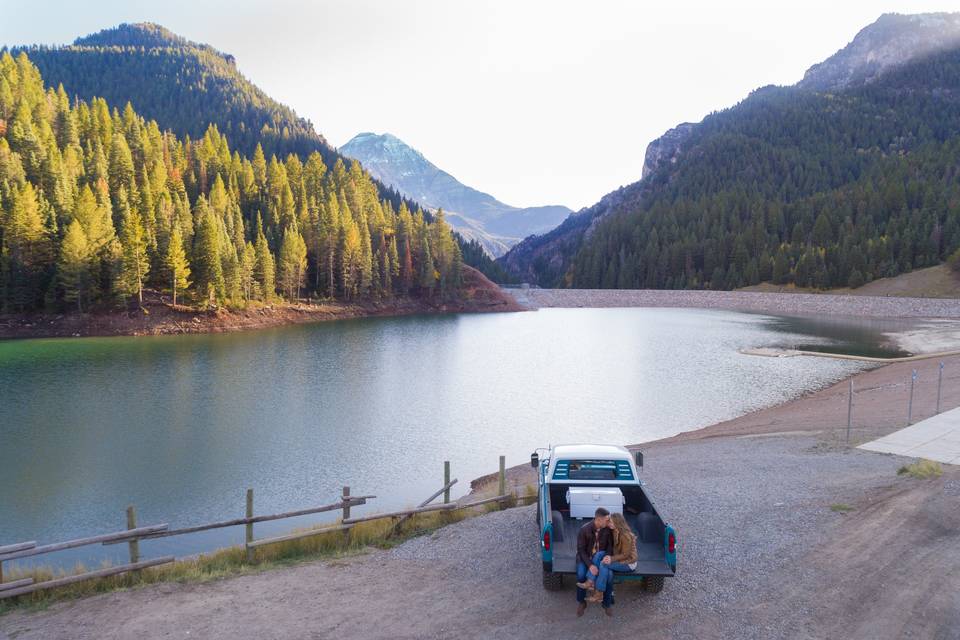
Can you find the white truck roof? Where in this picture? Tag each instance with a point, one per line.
(564, 454)
(587, 451)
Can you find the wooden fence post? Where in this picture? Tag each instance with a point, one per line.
(446, 481)
(250, 551)
(134, 544)
(503, 476)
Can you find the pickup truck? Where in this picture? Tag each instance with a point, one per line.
(576, 479)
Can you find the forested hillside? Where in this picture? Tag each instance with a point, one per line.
(97, 203)
(184, 86)
(821, 189)
(187, 86)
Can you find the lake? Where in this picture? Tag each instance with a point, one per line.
(180, 426)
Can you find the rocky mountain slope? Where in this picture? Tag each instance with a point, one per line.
(476, 215)
(892, 41)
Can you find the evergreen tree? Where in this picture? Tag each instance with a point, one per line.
(264, 270)
(207, 268)
(73, 266)
(178, 269)
(293, 262)
(136, 263)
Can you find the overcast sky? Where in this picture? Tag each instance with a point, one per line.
(536, 102)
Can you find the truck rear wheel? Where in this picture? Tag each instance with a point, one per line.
(653, 584)
(552, 581)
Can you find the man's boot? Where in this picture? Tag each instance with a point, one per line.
(581, 607)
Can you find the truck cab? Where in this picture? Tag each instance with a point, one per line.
(575, 479)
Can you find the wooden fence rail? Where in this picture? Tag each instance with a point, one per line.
(133, 534)
(121, 536)
(20, 546)
(352, 501)
(101, 573)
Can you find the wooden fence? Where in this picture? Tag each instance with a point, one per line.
(133, 534)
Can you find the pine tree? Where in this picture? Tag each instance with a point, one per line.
(265, 270)
(248, 262)
(135, 265)
(178, 268)
(207, 269)
(25, 248)
(293, 261)
(73, 266)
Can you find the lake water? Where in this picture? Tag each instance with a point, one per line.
(180, 426)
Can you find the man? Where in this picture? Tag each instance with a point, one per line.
(594, 537)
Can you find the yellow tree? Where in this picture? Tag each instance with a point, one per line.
(177, 265)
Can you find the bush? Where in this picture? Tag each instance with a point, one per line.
(954, 261)
(922, 469)
(856, 279)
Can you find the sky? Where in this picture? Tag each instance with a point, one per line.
(534, 101)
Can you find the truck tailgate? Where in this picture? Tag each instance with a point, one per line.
(650, 555)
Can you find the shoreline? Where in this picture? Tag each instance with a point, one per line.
(788, 304)
(158, 317)
(880, 406)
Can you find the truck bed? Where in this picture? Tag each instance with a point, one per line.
(650, 555)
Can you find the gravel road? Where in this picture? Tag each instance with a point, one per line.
(762, 302)
(763, 556)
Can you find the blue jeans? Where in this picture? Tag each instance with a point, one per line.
(606, 572)
(583, 573)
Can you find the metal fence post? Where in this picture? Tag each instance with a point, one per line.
(849, 409)
(939, 386)
(913, 380)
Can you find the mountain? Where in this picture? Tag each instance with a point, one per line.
(892, 41)
(848, 176)
(497, 226)
(187, 86)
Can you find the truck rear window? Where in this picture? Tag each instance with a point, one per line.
(592, 470)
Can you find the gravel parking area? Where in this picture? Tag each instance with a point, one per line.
(761, 302)
(763, 556)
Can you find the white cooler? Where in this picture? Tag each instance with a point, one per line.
(584, 501)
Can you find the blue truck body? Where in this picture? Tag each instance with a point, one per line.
(599, 468)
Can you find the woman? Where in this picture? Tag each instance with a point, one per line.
(623, 558)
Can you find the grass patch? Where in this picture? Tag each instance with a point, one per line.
(922, 469)
(841, 508)
(232, 561)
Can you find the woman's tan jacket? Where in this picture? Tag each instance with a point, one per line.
(624, 548)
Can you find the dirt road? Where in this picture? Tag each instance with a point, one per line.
(763, 556)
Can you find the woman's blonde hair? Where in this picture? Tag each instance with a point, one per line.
(620, 524)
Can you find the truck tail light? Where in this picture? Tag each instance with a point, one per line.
(672, 543)
(546, 540)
